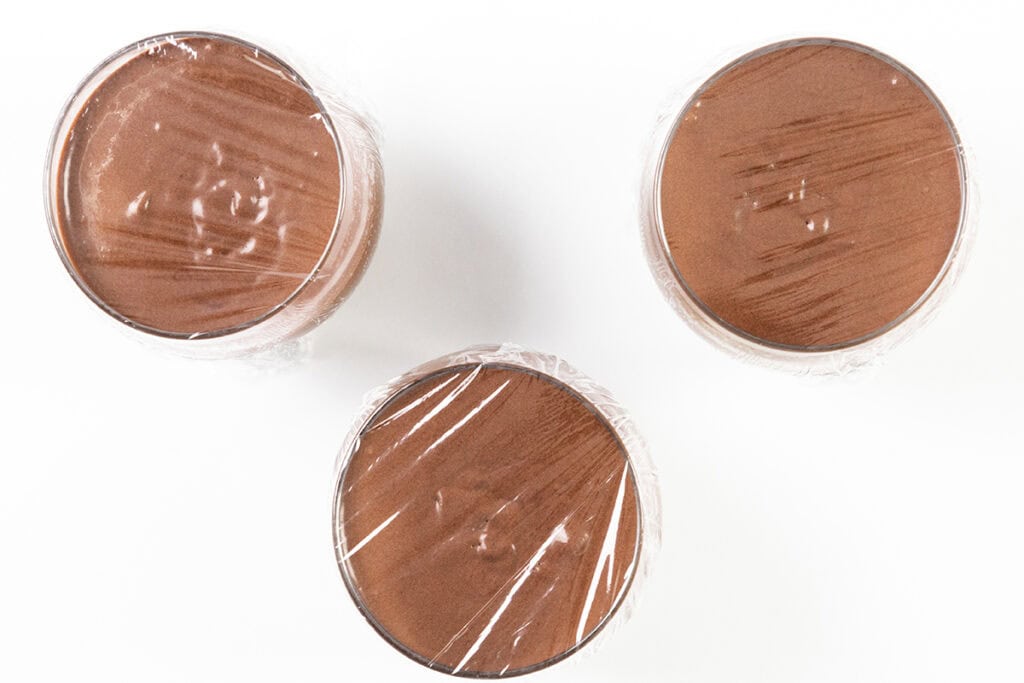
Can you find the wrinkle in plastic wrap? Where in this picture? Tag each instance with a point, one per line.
(494, 509)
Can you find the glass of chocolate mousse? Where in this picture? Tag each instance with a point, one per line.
(494, 511)
(808, 205)
(201, 191)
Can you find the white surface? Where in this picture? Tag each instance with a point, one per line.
(166, 520)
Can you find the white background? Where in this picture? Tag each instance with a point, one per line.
(168, 520)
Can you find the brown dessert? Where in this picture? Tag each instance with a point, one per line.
(487, 520)
(199, 188)
(811, 195)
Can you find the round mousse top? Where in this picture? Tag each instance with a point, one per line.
(811, 194)
(487, 520)
(198, 185)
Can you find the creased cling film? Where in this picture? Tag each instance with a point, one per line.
(493, 510)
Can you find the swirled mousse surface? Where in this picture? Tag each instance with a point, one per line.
(811, 194)
(488, 520)
(198, 186)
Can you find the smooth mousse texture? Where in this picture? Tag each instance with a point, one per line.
(198, 186)
(810, 195)
(488, 520)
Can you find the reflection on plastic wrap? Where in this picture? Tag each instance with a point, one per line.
(198, 186)
(491, 517)
(809, 198)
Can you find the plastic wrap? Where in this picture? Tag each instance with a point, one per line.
(807, 205)
(494, 511)
(200, 190)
